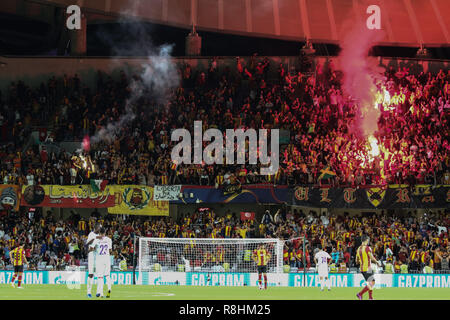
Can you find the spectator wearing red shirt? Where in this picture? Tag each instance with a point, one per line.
(44, 155)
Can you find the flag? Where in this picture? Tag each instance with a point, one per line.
(98, 185)
(326, 173)
(247, 216)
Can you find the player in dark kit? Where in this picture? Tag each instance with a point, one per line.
(363, 257)
(17, 257)
(261, 256)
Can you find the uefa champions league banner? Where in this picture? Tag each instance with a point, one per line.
(73, 279)
(370, 197)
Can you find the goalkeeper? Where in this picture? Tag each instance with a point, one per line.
(261, 257)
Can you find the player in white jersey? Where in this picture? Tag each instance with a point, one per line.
(91, 257)
(103, 248)
(322, 260)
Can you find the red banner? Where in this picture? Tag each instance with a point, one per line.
(247, 216)
(80, 196)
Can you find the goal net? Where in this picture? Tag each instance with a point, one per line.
(205, 255)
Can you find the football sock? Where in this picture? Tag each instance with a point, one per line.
(265, 281)
(366, 288)
(13, 278)
(100, 286)
(108, 282)
(20, 280)
(89, 284)
(259, 280)
(329, 283)
(370, 294)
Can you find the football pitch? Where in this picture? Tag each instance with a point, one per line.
(130, 292)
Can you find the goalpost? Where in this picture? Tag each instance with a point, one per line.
(211, 255)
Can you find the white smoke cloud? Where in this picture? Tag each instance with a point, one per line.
(157, 77)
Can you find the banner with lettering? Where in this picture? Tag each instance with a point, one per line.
(9, 197)
(77, 196)
(373, 197)
(73, 279)
(234, 193)
(137, 200)
(167, 193)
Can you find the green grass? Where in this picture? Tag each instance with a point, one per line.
(129, 292)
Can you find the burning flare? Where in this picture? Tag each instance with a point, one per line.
(374, 149)
(83, 160)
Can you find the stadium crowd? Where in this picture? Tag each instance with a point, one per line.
(407, 242)
(412, 136)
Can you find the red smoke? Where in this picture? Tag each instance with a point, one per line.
(86, 143)
(360, 73)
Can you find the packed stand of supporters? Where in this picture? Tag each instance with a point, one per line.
(412, 136)
(405, 243)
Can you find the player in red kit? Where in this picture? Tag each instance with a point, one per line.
(261, 256)
(363, 257)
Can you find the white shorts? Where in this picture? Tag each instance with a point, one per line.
(91, 263)
(323, 271)
(103, 267)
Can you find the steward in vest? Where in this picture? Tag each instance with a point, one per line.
(342, 267)
(333, 268)
(248, 255)
(388, 268)
(428, 269)
(123, 265)
(403, 268)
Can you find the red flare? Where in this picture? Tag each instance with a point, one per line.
(86, 143)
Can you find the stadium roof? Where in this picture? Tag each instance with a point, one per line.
(406, 22)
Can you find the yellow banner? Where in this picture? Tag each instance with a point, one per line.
(137, 200)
